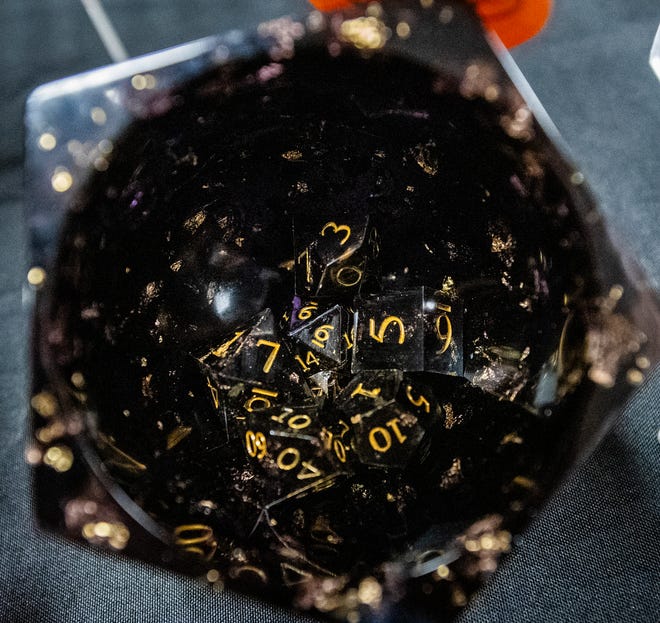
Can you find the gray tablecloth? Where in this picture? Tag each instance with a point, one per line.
(592, 553)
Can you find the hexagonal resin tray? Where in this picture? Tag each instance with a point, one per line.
(321, 312)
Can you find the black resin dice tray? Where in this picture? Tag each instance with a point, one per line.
(322, 312)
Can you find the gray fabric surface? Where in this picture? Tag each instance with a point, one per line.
(592, 553)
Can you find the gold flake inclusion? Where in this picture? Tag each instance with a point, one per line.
(47, 142)
(61, 180)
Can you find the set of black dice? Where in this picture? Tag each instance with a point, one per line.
(338, 379)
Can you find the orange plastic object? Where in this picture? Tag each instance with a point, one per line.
(514, 21)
